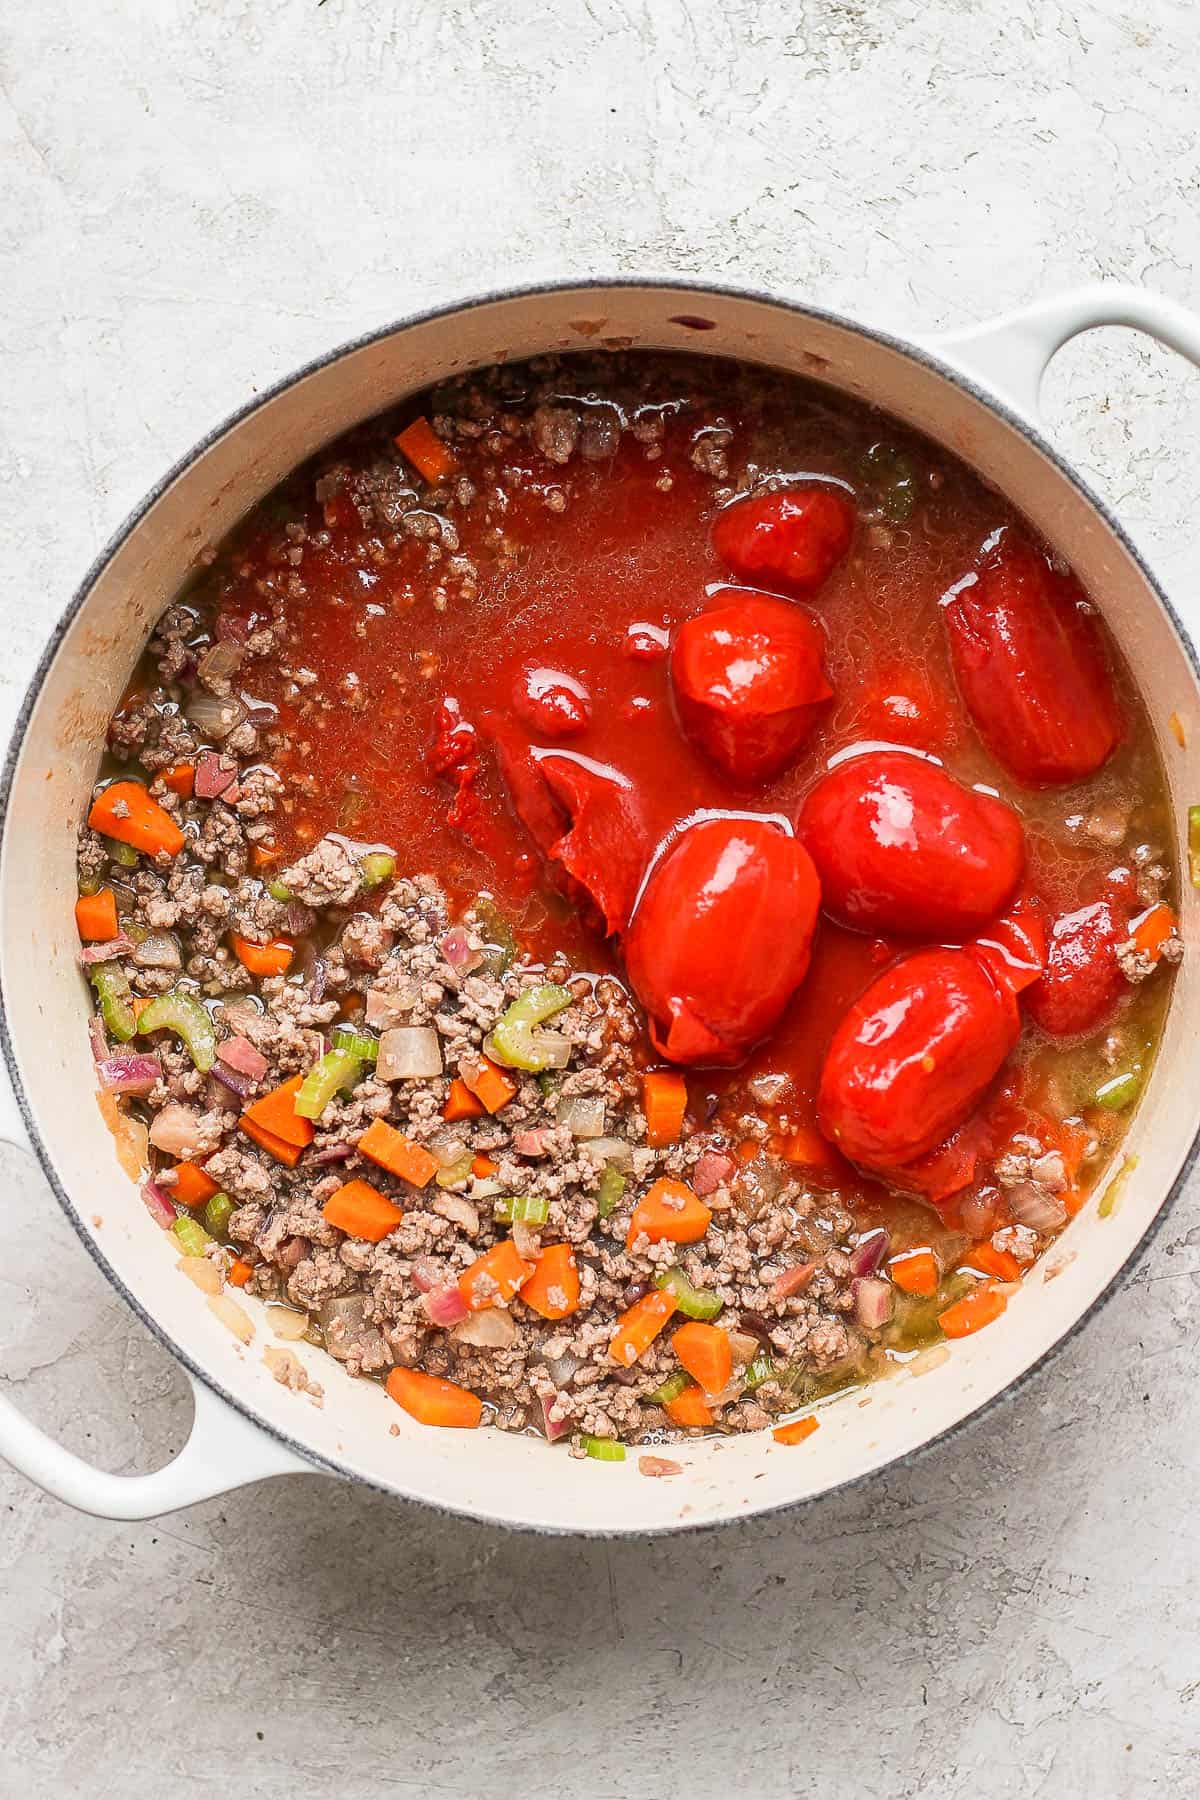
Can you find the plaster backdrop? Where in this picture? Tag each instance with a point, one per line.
(194, 198)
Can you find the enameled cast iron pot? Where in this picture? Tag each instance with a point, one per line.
(977, 395)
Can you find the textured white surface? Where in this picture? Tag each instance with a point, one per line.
(195, 197)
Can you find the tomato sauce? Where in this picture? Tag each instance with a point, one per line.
(397, 669)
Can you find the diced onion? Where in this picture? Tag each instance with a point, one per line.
(612, 1150)
(458, 1210)
(287, 1323)
(553, 1050)
(1033, 1206)
(459, 951)
(157, 1205)
(220, 661)
(240, 1054)
(491, 1329)
(203, 1272)
(234, 1317)
(215, 717)
(584, 1117)
(869, 1252)
(873, 1301)
(176, 1129)
(158, 950)
(409, 1053)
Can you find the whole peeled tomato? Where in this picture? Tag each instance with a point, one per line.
(721, 938)
(901, 847)
(913, 1056)
(550, 702)
(1082, 981)
(749, 683)
(792, 537)
(1031, 665)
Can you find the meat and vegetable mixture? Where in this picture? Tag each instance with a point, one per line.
(630, 894)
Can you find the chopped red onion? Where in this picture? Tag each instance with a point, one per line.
(238, 1083)
(292, 1252)
(873, 1301)
(531, 1143)
(214, 774)
(129, 1074)
(869, 1252)
(232, 630)
(297, 918)
(459, 951)
(554, 1427)
(240, 1054)
(332, 1153)
(98, 953)
(320, 974)
(791, 1281)
(157, 1205)
(712, 1171)
(444, 1306)
(425, 1275)
(98, 1037)
(1033, 1206)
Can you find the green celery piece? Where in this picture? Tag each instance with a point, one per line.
(514, 1040)
(183, 1014)
(1194, 845)
(608, 1194)
(522, 1209)
(604, 1449)
(670, 1389)
(365, 1048)
(894, 479)
(279, 892)
(1121, 1090)
(377, 866)
(455, 1173)
(337, 1069)
(89, 884)
(497, 934)
(193, 1239)
(123, 854)
(217, 1213)
(760, 1370)
(692, 1302)
(114, 996)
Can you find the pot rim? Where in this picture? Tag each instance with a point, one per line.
(914, 352)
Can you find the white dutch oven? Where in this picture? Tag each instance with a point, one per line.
(246, 1425)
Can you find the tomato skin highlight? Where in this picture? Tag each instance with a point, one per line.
(749, 683)
(902, 847)
(722, 937)
(794, 537)
(1082, 982)
(913, 1056)
(551, 703)
(1031, 665)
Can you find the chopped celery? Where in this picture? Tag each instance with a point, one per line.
(217, 1213)
(337, 1069)
(608, 1194)
(692, 1302)
(604, 1449)
(514, 1042)
(114, 995)
(497, 933)
(365, 1048)
(193, 1239)
(279, 892)
(89, 884)
(893, 479)
(183, 1014)
(1194, 845)
(549, 1084)
(377, 866)
(124, 854)
(760, 1370)
(670, 1389)
(522, 1209)
(455, 1173)
(1121, 1090)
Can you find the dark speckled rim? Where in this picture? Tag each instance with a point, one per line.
(697, 292)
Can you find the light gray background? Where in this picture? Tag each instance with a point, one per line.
(195, 197)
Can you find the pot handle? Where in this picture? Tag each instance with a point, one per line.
(1012, 353)
(224, 1450)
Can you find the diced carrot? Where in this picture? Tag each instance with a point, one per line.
(397, 1154)
(669, 1210)
(972, 1312)
(797, 1431)
(276, 1112)
(483, 1166)
(461, 1102)
(689, 1408)
(193, 1185)
(96, 917)
(990, 1261)
(433, 1401)
(748, 1149)
(553, 1288)
(806, 1148)
(240, 1272)
(261, 857)
(915, 1272)
(274, 958)
(496, 1275)
(180, 778)
(1151, 931)
(706, 1353)
(139, 1002)
(640, 1325)
(490, 1084)
(361, 1211)
(664, 1101)
(426, 451)
(1074, 1199)
(126, 812)
(278, 1147)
